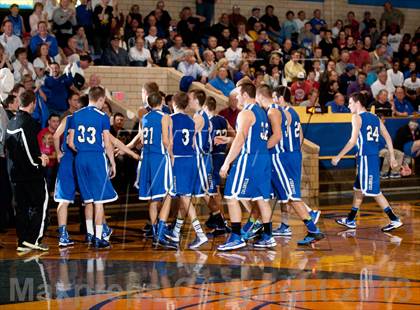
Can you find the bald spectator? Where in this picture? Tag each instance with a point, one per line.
(139, 55)
(391, 16)
(293, 67)
(338, 104)
(402, 106)
(190, 67)
(382, 106)
(377, 57)
(383, 83)
(10, 41)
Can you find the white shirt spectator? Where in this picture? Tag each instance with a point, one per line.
(300, 23)
(193, 70)
(11, 44)
(150, 40)
(377, 86)
(412, 85)
(19, 71)
(176, 53)
(397, 79)
(394, 40)
(136, 55)
(234, 57)
(49, 7)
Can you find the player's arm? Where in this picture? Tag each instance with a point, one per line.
(70, 140)
(199, 122)
(56, 137)
(225, 140)
(166, 132)
(109, 149)
(274, 116)
(388, 140)
(356, 124)
(122, 147)
(137, 138)
(245, 121)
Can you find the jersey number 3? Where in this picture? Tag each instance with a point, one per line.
(90, 137)
(372, 133)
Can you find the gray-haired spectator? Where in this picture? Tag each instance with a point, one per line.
(382, 83)
(189, 67)
(177, 51)
(139, 55)
(208, 63)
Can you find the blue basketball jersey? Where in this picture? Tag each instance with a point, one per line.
(368, 140)
(152, 132)
(291, 133)
(88, 124)
(278, 148)
(165, 109)
(69, 124)
(256, 141)
(219, 129)
(183, 128)
(202, 138)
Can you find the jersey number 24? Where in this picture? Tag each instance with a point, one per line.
(372, 133)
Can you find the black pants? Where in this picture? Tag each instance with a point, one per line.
(31, 210)
(6, 208)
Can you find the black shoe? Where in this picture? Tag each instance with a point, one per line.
(211, 222)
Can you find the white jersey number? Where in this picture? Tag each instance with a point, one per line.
(264, 131)
(372, 133)
(90, 138)
(148, 135)
(185, 136)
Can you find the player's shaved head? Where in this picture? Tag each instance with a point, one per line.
(95, 93)
(180, 100)
(154, 100)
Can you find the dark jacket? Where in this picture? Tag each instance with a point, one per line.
(403, 136)
(111, 58)
(22, 149)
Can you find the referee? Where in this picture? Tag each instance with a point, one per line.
(25, 165)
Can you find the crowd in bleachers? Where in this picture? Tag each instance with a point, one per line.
(321, 63)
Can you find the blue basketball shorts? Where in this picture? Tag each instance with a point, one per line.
(203, 180)
(93, 178)
(249, 178)
(65, 184)
(368, 175)
(286, 175)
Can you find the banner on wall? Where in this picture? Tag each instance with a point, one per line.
(411, 4)
(23, 4)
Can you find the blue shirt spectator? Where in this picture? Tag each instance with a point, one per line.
(56, 88)
(317, 22)
(190, 67)
(84, 15)
(44, 37)
(337, 105)
(222, 83)
(403, 107)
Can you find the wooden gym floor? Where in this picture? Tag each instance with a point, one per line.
(361, 269)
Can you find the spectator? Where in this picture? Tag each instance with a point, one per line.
(338, 105)
(289, 27)
(413, 82)
(84, 17)
(117, 129)
(407, 139)
(49, 7)
(206, 8)
(16, 20)
(359, 56)
(95, 81)
(359, 86)
(328, 92)
(4, 59)
(313, 100)
(377, 57)
(254, 18)
(411, 67)
(232, 111)
(189, 67)
(395, 75)
(41, 63)
(300, 21)
(243, 71)
(234, 54)
(221, 83)
(139, 55)
(347, 78)
(300, 89)
(306, 38)
(386, 167)
(64, 19)
(391, 16)
(273, 76)
(115, 55)
(82, 43)
(56, 88)
(317, 22)
(340, 67)
(21, 65)
(102, 16)
(71, 50)
(160, 54)
(395, 38)
(327, 44)
(151, 38)
(10, 41)
(11, 106)
(223, 23)
(367, 44)
(38, 15)
(293, 67)
(208, 64)
(389, 51)
(271, 23)
(402, 106)
(366, 23)
(189, 27)
(74, 104)
(353, 24)
(338, 26)
(236, 18)
(177, 51)
(44, 37)
(382, 106)
(383, 83)
(211, 43)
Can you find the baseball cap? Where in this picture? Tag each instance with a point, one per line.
(219, 49)
(350, 67)
(301, 75)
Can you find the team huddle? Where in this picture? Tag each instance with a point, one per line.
(185, 157)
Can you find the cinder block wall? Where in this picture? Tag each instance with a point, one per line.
(332, 9)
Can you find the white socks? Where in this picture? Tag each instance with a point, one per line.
(89, 226)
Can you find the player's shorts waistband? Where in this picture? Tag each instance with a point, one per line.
(183, 156)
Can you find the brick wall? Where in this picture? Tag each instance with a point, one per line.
(332, 9)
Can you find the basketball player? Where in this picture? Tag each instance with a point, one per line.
(184, 170)
(286, 156)
(250, 175)
(88, 136)
(155, 176)
(366, 128)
